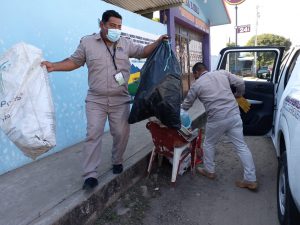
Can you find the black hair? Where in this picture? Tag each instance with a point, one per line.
(199, 66)
(110, 13)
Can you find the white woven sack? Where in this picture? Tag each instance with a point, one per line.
(26, 107)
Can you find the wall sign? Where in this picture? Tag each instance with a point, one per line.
(193, 6)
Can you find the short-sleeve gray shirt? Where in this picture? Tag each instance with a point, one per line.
(103, 87)
(213, 90)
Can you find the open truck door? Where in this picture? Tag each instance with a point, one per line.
(247, 62)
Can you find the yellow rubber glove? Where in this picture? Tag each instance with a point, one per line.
(243, 103)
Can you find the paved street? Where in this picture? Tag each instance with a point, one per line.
(199, 201)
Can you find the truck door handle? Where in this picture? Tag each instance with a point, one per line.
(255, 102)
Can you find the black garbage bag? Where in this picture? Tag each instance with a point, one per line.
(160, 91)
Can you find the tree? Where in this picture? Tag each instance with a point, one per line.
(267, 58)
(156, 19)
(270, 40)
(230, 44)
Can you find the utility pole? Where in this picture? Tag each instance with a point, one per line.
(255, 40)
(256, 26)
(236, 25)
(236, 34)
(235, 2)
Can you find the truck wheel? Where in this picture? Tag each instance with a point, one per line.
(286, 208)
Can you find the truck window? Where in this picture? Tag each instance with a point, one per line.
(252, 66)
(291, 68)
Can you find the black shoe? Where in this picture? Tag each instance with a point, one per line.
(117, 169)
(90, 183)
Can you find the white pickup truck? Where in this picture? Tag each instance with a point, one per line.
(275, 110)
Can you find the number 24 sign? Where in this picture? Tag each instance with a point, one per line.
(243, 28)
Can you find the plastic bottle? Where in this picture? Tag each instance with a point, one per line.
(185, 118)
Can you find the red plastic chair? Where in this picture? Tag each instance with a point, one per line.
(177, 144)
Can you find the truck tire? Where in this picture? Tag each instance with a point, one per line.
(286, 208)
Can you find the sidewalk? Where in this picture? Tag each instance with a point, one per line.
(48, 191)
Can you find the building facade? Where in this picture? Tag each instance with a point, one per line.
(189, 29)
(57, 33)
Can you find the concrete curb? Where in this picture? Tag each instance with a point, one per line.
(84, 207)
(48, 191)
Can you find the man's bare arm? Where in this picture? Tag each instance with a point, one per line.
(65, 65)
(148, 49)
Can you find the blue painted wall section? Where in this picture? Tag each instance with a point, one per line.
(56, 27)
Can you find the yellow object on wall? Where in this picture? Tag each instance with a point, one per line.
(133, 77)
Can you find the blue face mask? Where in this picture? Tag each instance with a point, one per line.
(113, 35)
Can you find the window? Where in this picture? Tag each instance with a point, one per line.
(188, 49)
(256, 66)
(291, 67)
